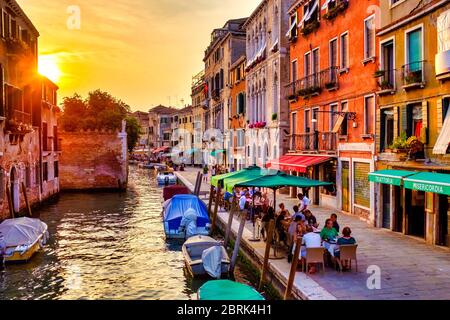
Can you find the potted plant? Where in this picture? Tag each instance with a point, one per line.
(378, 73)
(385, 85)
(413, 77)
(400, 144)
(274, 116)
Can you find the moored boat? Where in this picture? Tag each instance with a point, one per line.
(205, 257)
(222, 290)
(22, 238)
(171, 191)
(185, 216)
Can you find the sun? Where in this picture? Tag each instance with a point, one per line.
(48, 66)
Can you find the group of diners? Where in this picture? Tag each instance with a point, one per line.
(289, 227)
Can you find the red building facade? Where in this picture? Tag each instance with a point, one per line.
(333, 101)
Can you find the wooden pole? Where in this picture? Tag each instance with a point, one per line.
(211, 195)
(198, 184)
(10, 202)
(267, 253)
(24, 190)
(216, 209)
(237, 244)
(275, 199)
(293, 272)
(234, 208)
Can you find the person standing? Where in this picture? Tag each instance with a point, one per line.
(205, 174)
(304, 202)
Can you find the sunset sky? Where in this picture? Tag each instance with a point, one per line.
(142, 51)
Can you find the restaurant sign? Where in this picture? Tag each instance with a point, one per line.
(385, 180)
(428, 187)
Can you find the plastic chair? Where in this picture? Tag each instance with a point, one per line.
(314, 255)
(348, 253)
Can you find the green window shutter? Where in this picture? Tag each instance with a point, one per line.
(403, 118)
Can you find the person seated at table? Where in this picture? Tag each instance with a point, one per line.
(270, 215)
(297, 213)
(296, 225)
(310, 240)
(334, 218)
(345, 240)
(328, 233)
(311, 219)
(282, 223)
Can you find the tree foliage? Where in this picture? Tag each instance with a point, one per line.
(133, 132)
(100, 110)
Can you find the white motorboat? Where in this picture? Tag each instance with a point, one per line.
(166, 178)
(205, 257)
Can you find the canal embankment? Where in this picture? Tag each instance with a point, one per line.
(304, 288)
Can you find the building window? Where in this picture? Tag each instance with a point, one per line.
(37, 174)
(240, 138)
(344, 127)
(344, 51)
(369, 114)
(308, 68)
(387, 129)
(334, 115)
(307, 121)
(240, 103)
(369, 38)
(333, 53)
(294, 71)
(387, 80)
(413, 70)
(166, 136)
(414, 121)
(45, 173)
(56, 169)
(445, 108)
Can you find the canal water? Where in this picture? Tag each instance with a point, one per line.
(104, 246)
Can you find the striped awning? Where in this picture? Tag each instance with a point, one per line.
(297, 163)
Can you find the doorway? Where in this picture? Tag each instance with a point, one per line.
(345, 186)
(416, 214)
(386, 190)
(444, 221)
(15, 191)
(398, 209)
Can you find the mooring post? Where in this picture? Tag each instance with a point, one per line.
(216, 209)
(211, 195)
(267, 253)
(238, 243)
(10, 202)
(293, 272)
(198, 184)
(234, 208)
(24, 190)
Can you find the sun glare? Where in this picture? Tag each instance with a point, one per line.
(48, 66)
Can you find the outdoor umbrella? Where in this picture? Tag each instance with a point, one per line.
(245, 175)
(280, 180)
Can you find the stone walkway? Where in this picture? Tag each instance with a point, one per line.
(410, 269)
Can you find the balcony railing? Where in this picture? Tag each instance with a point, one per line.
(22, 117)
(314, 142)
(386, 80)
(314, 83)
(215, 94)
(413, 75)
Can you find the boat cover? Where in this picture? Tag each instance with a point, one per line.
(212, 261)
(179, 205)
(221, 290)
(22, 231)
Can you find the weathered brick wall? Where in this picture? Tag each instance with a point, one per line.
(93, 160)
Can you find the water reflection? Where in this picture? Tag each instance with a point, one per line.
(104, 246)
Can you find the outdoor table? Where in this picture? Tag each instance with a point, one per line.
(330, 246)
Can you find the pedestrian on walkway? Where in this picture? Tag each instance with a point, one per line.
(205, 174)
(270, 215)
(304, 202)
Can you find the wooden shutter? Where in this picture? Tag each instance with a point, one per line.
(396, 123)
(440, 119)
(424, 132)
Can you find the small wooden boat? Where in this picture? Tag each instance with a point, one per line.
(223, 290)
(22, 238)
(205, 257)
(171, 191)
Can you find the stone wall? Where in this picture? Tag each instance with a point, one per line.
(94, 160)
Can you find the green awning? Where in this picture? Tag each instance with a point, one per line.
(429, 182)
(392, 177)
(222, 290)
(219, 179)
(248, 174)
(280, 180)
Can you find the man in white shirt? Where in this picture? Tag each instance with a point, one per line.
(304, 202)
(310, 240)
(243, 201)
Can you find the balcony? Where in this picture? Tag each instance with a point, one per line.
(386, 81)
(413, 75)
(215, 94)
(22, 117)
(317, 142)
(314, 84)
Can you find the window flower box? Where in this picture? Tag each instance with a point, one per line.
(333, 13)
(310, 28)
